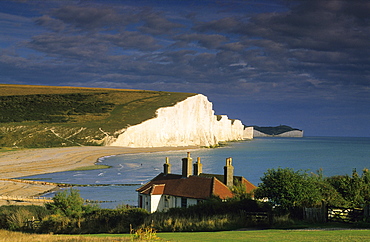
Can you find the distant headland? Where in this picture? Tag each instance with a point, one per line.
(278, 131)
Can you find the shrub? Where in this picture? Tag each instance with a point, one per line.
(144, 234)
(212, 215)
(171, 223)
(56, 223)
(113, 220)
(13, 217)
(288, 188)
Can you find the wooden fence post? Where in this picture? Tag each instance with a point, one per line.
(367, 212)
(324, 211)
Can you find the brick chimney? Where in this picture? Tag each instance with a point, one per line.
(167, 167)
(187, 166)
(229, 173)
(198, 167)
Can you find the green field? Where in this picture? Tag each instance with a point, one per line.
(43, 116)
(262, 236)
(271, 235)
(251, 235)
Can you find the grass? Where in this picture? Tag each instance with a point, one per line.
(11, 89)
(271, 235)
(8, 236)
(82, 116)
(6, 149)
(253, 235)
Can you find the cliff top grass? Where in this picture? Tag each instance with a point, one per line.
(12, 89)
(99, 109)
(80, 106)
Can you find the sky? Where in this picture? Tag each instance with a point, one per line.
(305, 64)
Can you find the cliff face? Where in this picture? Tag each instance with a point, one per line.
(248, 133)
(190, 122)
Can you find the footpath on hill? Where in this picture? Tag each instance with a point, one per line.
(15, 164)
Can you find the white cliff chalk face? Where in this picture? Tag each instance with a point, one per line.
(188, 123)
(248, 133)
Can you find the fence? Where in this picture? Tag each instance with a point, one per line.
(32, 223)
(346, 215)
(258, 217)
(336, 214)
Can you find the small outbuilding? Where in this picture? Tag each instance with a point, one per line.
(168, 190)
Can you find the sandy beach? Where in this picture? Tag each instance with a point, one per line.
(22, 163)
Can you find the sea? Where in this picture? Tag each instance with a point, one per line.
(251, 159)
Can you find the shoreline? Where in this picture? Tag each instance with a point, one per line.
(17, 164)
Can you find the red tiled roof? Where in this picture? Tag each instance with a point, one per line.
(191, 187)
(158, 189)
(221, 190)
(249, 186)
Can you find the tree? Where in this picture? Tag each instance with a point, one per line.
(68, 203)
(288, 188)
(239, 191)
(354, 189)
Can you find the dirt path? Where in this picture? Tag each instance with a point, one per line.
(39, 161)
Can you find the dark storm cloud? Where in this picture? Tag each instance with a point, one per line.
(50, 23)
(71, 46)
(315, 43)
(132, 40)
(258, 52)
(209, 41)
(157, 24)
(226, 25)
(322, 46)
(313, 25)
(90, 17)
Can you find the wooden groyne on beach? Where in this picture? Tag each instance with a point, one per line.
(10, 198)
(26, 199)
(65, 184)
(36, 182)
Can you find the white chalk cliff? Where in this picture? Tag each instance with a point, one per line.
(188, 123)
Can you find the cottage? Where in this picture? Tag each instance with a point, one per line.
(168, 190)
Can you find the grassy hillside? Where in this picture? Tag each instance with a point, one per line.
(44, 116)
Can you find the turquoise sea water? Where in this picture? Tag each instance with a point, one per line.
(335, 155)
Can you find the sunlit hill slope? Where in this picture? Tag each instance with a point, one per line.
(49, 116)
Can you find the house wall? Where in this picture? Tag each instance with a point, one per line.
(144, 201)
(192, 202)
(153, 203)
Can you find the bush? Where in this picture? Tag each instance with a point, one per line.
(95, 221)
(56, 223)
(170, 223)
(212, 215)
(113, 220)
(70, 215)
(13, 217)
(288, 188)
